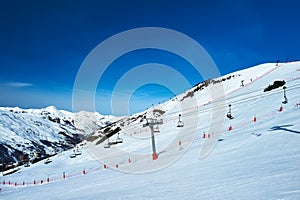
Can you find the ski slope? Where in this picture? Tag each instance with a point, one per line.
(255, 160)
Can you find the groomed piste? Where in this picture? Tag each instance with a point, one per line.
(256, 156)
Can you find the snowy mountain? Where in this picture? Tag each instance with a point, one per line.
(45, 131)
(254, 155)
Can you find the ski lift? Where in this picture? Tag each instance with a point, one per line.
(156, 129)
(47, 161)
(27, 164)
(113, 143)
(73, 155)
(180, 123)
(78, 153)
(284, 96)
(155, 126)
(108, 144)
(285, 100)
(119, 140)
(229, 113)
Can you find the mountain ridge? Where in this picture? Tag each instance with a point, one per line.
(46, 130)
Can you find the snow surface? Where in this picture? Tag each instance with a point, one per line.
(22, 129)
(256, 160)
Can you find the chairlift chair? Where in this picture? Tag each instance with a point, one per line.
(229, 113)
(113, 143)
(77, 151)
(285, 100)
(119, 140)
(73, 155)
(27, 164)
(284, 96)
(47, 161)
(156, 129)
(108, 144)
(180, 123)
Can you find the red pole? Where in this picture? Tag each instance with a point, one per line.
(154, 156)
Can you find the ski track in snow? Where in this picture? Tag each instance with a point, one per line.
(242, 165)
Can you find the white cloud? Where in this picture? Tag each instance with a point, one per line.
(19, 84)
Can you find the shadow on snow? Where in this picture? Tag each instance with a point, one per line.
(283, 128)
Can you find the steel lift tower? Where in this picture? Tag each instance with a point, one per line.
(153, 123)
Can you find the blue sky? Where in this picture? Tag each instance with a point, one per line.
(43, 43)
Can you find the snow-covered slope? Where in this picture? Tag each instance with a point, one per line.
(47, 130)
(257, 159)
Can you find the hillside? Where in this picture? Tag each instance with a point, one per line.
(44, 131)
(255, 155)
